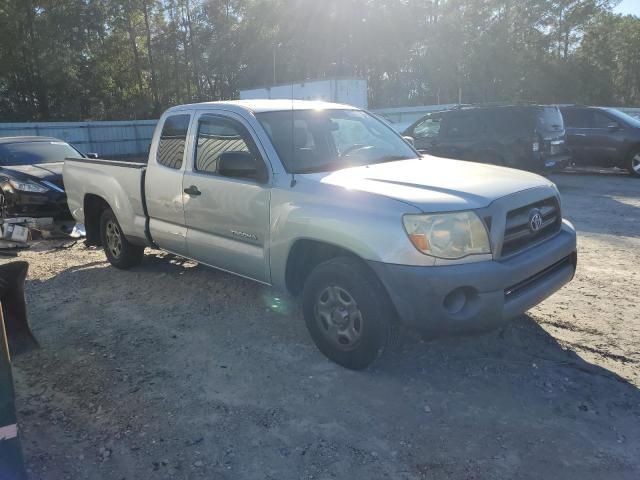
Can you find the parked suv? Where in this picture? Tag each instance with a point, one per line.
(604, 137)
(529, 137)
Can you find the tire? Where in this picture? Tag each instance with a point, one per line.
(633, 163)
(120, 252)
(348, 313)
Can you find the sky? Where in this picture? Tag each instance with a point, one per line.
(628, 6)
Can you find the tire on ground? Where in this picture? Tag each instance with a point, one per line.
(633, 163)
(377, 318)
(127, 255)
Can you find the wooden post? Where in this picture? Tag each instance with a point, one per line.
(11, 460)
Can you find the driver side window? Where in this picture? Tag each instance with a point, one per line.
(428, 128)
(218, 136)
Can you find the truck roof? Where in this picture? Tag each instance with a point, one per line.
(264, 105)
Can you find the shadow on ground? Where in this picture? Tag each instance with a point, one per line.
(599, 207)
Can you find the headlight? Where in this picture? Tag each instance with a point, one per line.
(448, 235)
(28, 186)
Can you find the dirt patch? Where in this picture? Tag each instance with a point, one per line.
(178, 371)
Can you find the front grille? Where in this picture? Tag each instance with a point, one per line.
(519, 235)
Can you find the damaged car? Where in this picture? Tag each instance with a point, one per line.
(31, 177)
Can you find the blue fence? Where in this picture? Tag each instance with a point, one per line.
(128, 139)
(131, 139)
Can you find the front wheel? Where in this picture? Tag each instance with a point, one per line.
(348, 313)
(634, 163)
(120, 252)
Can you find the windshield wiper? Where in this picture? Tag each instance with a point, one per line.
(327, 167)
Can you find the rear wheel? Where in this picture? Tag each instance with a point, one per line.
(348, 313)
(120, 252)
(634, 163)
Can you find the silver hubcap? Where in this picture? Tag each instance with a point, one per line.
(114, 238)
(339, 317)
(635, 163)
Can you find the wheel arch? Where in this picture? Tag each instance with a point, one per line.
(93, 206)
(627, 161)
(633, 147)
(305, 254)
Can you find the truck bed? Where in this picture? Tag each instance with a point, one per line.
(119, 183)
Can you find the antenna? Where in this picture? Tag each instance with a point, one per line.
(293, 143)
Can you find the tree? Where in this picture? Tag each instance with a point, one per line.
(117, 59)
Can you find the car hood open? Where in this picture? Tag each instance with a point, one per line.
(436, 184)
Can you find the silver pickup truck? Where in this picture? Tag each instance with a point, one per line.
(328, 203)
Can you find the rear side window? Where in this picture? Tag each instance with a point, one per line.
(583, 118)
(549, 119)
(217, 135)
(172, 141)
(510, 121)
(460, 126)
(601, 120)
(576, 118)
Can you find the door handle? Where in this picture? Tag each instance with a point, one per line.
(580, 134)
(193, 191)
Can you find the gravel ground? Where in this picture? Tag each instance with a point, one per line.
(178, 371)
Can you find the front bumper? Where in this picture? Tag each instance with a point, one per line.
(557, 162)
(477, 297)
(36, 205)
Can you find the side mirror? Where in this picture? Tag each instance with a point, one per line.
(410, 140)
(93, 155)
(241, 165)
(613, 127)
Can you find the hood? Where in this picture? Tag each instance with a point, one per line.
(51, 172)
(434, 184)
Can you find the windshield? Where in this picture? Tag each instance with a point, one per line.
(325, 140)
(31, 153)
(632, 121)
(549, 119)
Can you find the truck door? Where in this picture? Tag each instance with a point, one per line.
(227, 197)
(163, 184)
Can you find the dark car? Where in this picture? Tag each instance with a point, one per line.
(31, 177)
(528, 137)
(603, 137)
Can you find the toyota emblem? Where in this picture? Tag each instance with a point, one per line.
(535, 220)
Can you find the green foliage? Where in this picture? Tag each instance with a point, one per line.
(121, 59)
